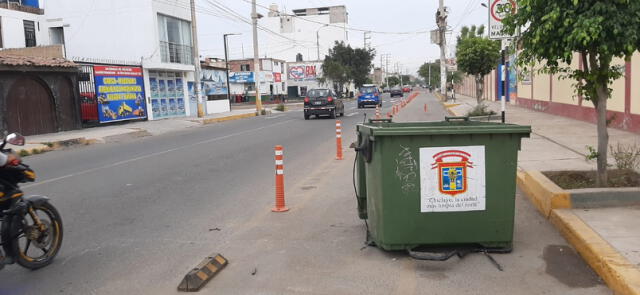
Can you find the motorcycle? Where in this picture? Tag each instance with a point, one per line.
(30, 227)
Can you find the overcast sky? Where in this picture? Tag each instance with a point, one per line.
(375, 15)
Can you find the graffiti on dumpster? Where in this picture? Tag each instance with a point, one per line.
(452, 179)
(406, 170)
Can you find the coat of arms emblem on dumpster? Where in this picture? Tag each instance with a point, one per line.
(452, 171)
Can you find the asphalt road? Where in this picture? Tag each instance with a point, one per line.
(143, 211)
(140, 212)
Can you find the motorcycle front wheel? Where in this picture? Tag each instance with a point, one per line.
(37, 245)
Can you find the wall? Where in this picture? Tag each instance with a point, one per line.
(304, 32)
(116, 29)
(43, 51)
(13, 28)
(549, 93)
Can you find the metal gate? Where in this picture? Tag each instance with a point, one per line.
(88, 100)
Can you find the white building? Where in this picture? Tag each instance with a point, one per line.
(153, 34)
(302, 31)
(272, 78)
(22, 24)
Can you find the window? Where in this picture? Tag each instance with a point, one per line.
(175, 40)
(57, 35)
(29, 33)
(245, 68)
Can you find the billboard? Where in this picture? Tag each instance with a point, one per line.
(304, 72)
(214, 82)
(120, 92)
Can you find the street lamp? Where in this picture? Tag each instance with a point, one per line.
(318, 39)
(226, 61)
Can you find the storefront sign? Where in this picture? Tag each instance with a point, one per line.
(452, 179)
(277, 77)
(120, 92)
(241, 77)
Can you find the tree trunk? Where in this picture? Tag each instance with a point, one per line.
(603, 136)
(479, 86)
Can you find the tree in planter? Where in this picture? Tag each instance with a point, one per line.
(552, 31)
(434, 80)
(476, 56)
(393, 81)
(345, 64)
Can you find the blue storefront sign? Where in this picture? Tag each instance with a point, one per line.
(120, 92)
(241, 77)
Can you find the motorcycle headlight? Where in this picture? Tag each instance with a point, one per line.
(30, 175)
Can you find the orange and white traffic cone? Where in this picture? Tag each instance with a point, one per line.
(377, 111)
(280, 205)
(425, 108)
(338, 140)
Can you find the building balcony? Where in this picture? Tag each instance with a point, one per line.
(176, 53)
(15, 5)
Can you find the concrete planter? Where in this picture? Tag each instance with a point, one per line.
(546, 195)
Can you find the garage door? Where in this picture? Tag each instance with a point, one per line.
(30, 108)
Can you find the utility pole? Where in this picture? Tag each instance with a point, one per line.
(318, 39)
(441, 20)
(226, 61)
(196, 60)
(386, 58)
(429, 63)
(367, 40)
(256, 57)
(399, 72)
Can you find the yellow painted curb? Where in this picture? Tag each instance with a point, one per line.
(621, 276)
(542, 192)
(227, 118)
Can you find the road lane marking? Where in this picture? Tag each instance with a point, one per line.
(351, 114)
(153, 155)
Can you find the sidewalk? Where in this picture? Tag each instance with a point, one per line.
(46, 142)
(607, 238)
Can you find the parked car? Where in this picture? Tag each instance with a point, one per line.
(406, 89)
(396, 91)
(322, 101)
(369, 95)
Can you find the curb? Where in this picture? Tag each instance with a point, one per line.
(227, 118)
(555, 204)
(542, 192)
(621, 276)
(52, 146)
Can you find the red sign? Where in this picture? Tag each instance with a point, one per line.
(277, 77)
(117, 71)
(501, 8)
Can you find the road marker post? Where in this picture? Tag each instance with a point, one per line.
(425, 108)
(280, 205)
(377, 111)
(339, 140)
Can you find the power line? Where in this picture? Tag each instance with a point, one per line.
(221, 7)
(343, 27)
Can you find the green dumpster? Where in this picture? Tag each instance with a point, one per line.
(438, 183)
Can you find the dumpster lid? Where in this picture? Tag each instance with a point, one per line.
(443, 128)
